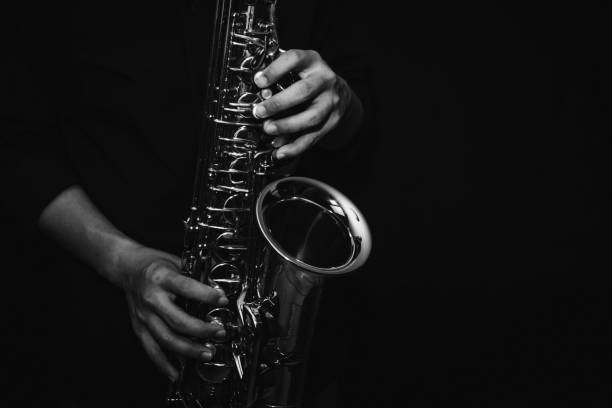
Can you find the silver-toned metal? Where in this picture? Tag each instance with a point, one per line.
(266, 239)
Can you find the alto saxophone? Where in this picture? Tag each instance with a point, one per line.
(267, 240)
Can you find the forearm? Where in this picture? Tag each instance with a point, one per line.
(150, 278)
(74, 222)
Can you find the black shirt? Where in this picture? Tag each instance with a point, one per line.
(108, 95)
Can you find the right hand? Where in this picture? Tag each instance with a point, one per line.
(152, 281)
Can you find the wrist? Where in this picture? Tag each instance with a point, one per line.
(128, 259)
(348, 123)
(119, 261)
(75, 222)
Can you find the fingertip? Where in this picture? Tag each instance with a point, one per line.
(270, 128)
(259, 111)
(206, 355)
(277, 142)
(176, 260)
(260, 79)
(211, 347)
(220, 335)
(281, 153)
(222, 300)
(266, 93)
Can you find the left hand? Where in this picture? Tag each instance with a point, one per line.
(324, 95)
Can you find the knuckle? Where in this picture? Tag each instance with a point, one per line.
(313, 54)
(295, 54)
(335, 100)
(148, 298)
(140, 315)
(272, 105)
(306, 88)
(157, 273)
(166, 340)
(175, 322)
(328, 76)
(334, 119)
(315, 118)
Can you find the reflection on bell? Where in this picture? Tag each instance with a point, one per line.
(213, 372)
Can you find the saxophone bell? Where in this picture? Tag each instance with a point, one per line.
(313, 226)
(312, 231)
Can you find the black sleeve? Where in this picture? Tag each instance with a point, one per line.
(32, 170)
(342, 35)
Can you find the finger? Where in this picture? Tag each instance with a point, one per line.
(316, 114)
(184, 323)
(175, 343)
(300, 92)
(156, 354)
(192, 289)
(292, 60)
(175, 260)
(211, 347)
(298, 146)
(151, 347)
(280, 141)
(305, 141)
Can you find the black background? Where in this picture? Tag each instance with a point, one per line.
(482, 184)
(487, 281)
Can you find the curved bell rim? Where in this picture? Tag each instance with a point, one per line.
(313, 226)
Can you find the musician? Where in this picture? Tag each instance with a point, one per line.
(98, 150)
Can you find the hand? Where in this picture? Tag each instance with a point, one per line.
(150, 279)
(152, 282)
(324, 95)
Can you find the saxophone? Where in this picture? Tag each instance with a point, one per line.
(266, 239)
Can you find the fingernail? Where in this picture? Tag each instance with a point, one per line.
(270, 128)
(220, 334)
(259, 111)
(277, 142)
(206, 355)
(260, 80)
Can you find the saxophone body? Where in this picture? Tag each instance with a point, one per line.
(267, 240)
